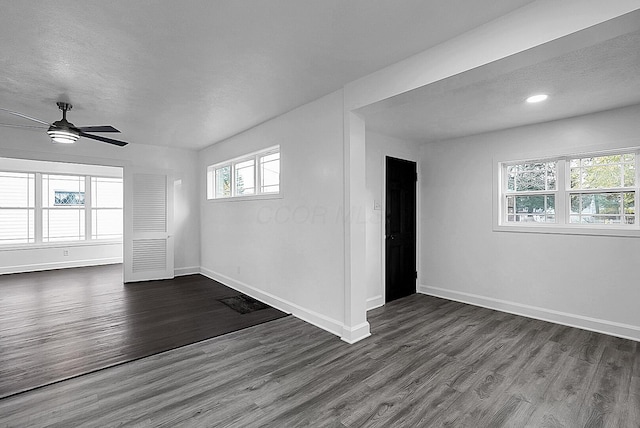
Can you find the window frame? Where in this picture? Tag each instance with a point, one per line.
(39, 208)
(563, 194)
(258, 193)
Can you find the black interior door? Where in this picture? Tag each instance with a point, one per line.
(400, 228)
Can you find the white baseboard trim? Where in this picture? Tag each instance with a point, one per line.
(331, 325)
(59, 265)
(375, 302)
(355, 334)
(186, 271)
(612, 328)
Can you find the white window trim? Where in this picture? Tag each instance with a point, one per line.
(257, 195)
(563, 227)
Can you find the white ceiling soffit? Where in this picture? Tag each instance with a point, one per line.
(191, 73)
(602, 75)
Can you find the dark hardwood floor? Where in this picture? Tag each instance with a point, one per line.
(429, 363)
(58, 324)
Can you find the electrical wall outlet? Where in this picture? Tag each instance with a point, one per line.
(65, 252)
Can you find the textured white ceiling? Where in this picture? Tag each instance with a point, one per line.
(191, 73)
(599, 77)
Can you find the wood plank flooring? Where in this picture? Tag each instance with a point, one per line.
(58, 324)
(429, 363)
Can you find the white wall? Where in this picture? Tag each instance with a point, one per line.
(287, 251)
(62, 255)
(378, 147)
(28, 144)
(585, 281)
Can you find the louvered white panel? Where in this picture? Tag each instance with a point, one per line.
(148, 215)
(149, 203)
(149, 255)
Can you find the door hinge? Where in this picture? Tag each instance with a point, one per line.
(416, 274)
(416, 176)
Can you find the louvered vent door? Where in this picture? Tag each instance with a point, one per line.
(148, 245)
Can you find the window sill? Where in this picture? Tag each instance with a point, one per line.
(570, 230)
(260, 197)
(61, 244)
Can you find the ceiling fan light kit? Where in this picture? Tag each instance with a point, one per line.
(62, 131)
(65, 132)
(62, 136)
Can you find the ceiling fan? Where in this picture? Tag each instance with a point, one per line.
(62, 131)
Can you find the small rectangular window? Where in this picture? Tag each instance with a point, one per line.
(246, 176)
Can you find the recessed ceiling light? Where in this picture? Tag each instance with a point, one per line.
(537, 98)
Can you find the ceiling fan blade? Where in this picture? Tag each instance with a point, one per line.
(104, 139)
(11, 125)
(25, 116)
(105, 128)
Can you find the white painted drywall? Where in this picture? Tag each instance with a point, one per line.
(59, 256)
(586, 281)
(378, 147)
(289, 250)
(524, 28)
(28, 144)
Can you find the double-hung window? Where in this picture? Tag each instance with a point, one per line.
(247, 176)
(579, 192)
(63, 208)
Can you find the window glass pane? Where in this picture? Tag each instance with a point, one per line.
(629, 171)
(535, 208)
(106, 192)
(245, 177)
(532, 176)
(552, 168)
(62, 190)
(62, 224)
(534, 180)
(629, 202)
(603, 172)
(17, 190)
(601, 177)
(603, 208)
(17, 199)
(511, 177)
(270, 173)
(16, 226)
(223, 182)
(106, 223)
